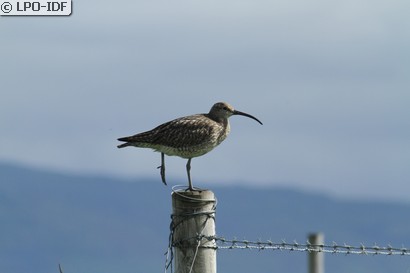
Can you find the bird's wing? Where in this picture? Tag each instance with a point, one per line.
(186, 131)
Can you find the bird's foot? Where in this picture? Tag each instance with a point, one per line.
(189, 188)
(162, 171)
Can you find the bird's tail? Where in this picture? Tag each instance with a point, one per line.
(123, 145)
(139, 140)
(126, 140)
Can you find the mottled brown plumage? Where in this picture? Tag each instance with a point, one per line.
(187, 137)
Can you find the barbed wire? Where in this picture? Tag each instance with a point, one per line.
(220, 243)
(334, 248)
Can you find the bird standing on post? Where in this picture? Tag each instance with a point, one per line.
(187, 137)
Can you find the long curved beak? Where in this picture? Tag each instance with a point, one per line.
(235, 112)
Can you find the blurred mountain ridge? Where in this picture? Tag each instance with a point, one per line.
(101, 224)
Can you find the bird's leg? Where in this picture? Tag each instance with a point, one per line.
(162, 167)
(188, 169)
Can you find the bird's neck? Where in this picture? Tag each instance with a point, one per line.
(223, 121)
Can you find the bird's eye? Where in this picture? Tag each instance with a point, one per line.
(225, 108)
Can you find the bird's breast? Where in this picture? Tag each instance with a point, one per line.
(225, 130)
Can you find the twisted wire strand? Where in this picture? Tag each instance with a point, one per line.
(334, 248)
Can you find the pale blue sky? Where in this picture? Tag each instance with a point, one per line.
(329, 80)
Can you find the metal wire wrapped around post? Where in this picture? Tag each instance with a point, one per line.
(193, 221)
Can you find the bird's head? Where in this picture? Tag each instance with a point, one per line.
(225, 110)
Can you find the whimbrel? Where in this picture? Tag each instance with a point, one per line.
(187, 137)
